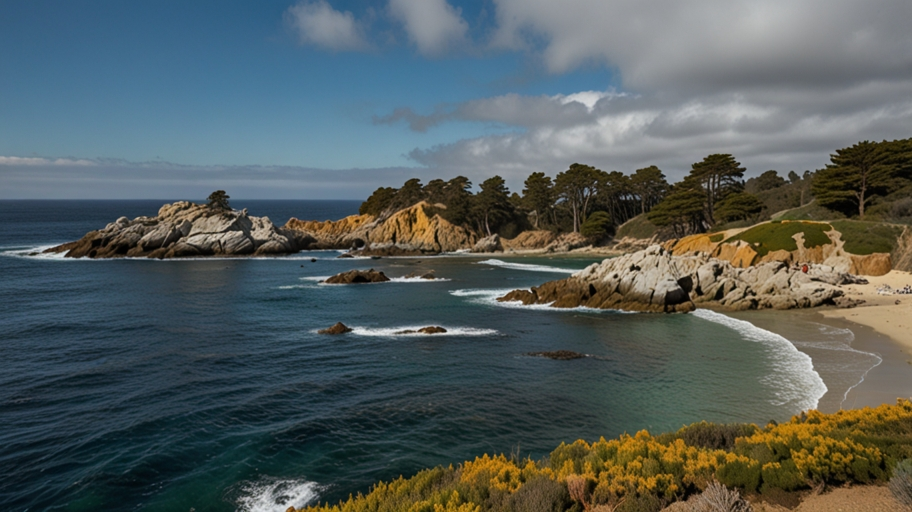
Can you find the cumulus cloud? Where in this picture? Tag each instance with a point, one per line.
(317, 23)
(433, 26)
(706, 43)
(780, 84)
(765, 129)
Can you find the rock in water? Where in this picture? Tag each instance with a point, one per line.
(186, 229)
(560, 355)
(429, 275)
(358, 277)
(654, 280)
(433, 329)
(339, 328)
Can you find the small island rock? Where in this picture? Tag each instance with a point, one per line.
(432, 329)
(339, 328)
(358, 277)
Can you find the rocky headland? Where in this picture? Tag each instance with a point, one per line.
(184, 229)
(656, 280)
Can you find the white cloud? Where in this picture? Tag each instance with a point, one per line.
(434, 26)
(765, 129)
(317, 23)
(705, 43)
(35, 161)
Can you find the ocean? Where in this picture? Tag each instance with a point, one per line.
(203, 384)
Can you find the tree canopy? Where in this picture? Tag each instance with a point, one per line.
(218, 200)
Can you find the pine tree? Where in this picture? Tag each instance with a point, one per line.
(218, 200)
(859, 173)
(538, 196)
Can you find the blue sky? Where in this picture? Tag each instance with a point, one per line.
(316, 99)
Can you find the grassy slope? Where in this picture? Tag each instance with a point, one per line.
(775, 236)
(868, 237)
(637, 227)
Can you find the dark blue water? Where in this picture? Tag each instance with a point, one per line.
(166, 385)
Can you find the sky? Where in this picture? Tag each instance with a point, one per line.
(319, 99)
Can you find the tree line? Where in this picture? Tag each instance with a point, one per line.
(587, 200)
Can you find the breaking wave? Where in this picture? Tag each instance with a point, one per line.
(274, 495)
(527, 266)
(793, 377)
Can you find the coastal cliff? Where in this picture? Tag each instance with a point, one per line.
(184, 229)
(415, 229)
(656, 280)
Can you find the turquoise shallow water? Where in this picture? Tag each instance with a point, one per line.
(166, 385)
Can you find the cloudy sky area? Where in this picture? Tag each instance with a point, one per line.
(330, 99)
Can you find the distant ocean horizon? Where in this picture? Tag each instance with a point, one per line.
(139, 384)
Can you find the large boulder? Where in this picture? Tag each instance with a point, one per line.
(488, 244)
(185, 229)
(655, 280)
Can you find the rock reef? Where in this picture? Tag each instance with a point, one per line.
(655, 280)
(184, 229)
(358, 277)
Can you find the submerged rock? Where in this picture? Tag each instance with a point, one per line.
(560, 355)
(338, 328)
(654, 280)
(358, 277)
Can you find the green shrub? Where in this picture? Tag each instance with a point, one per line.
(739, 473)
(715, 436)
(784, 476)
(867, 237)
(540, 494)
(901, 482)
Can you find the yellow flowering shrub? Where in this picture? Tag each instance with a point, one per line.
(848, 446)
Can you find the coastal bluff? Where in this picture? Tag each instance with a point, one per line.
(656, 280)
(184, 229)
(416, 229)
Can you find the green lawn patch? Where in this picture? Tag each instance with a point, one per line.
(867, 237)
(637, 227)
(778, 236)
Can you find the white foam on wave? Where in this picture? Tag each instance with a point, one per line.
(794, 378)
(488, 297)
(33, 252)
(275, 495)
(397, 331)
(418, 280)
(296, 287)
(314, 278)
(526, 266)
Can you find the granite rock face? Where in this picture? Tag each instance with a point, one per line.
(488, 244)
(413, 231)
(185, 229)
(654, 280)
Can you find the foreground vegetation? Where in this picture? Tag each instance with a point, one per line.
(644, 472)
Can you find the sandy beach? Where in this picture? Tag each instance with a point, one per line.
(887, 313)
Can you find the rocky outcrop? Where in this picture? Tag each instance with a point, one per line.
(902, 255)
(185, 229)
(654, 280)
(567, 242)
(429, 275)
(529, 240)
(414, 230)
(358, 277)
(488, 244)
(741, 254)
(338, 328)
(431, 329)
